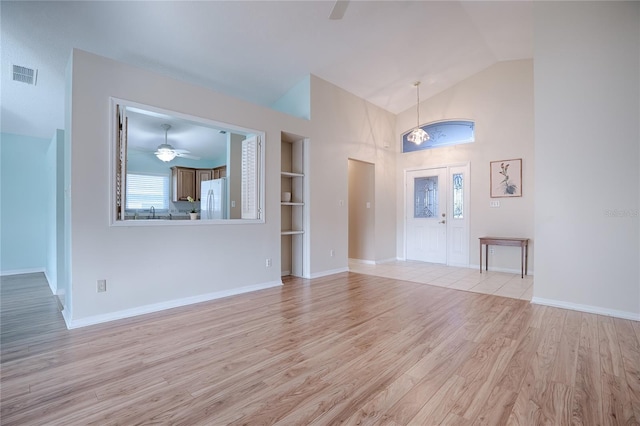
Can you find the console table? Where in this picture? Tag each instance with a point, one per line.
(523, 243)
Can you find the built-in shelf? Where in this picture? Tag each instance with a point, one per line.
(289, 174)
(293, 225)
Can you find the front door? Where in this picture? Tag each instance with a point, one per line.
(426, 211)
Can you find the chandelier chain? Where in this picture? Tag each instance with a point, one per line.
(417, 84)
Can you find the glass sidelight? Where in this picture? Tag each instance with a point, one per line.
(458, 196)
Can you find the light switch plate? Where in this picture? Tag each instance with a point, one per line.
(494, 203)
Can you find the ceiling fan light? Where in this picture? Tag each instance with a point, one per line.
(418, 136)
(165, 154)
(165, 151)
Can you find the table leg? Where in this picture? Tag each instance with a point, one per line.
(486, 257)
(526, 258)
(522, 261)
(480, 256)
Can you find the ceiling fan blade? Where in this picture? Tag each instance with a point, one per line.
(181, 151)
(339, 9)
(191, 157)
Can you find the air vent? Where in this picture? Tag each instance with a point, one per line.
(24, 74)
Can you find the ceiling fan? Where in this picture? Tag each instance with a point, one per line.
(167, 153)
(339, 8)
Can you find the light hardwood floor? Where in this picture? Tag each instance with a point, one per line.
(348, 348)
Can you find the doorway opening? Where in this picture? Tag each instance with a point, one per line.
(361, 176)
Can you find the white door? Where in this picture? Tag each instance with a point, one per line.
(437, 215)
(426, 210)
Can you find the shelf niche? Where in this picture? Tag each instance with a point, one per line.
(293, 212)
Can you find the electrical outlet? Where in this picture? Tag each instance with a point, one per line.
(267, 263)
(491, 250)
(332, 253)
(102, 286)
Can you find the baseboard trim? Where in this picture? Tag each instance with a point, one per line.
(147, 309)
(21, 271)
(373, 262)
(586, 308)
(329, 272)
(389, 260)
(67, 319)
(362, 261)
(52, 284)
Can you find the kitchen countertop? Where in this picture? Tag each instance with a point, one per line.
(158, 217)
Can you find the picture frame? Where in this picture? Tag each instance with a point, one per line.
(506, 178)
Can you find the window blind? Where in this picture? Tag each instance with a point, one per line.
(146, 191)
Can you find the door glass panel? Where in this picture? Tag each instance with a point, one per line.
(425, 197)
(458, 204)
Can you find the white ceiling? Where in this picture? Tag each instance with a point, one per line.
(258, 50)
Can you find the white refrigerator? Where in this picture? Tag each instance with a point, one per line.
(213, 199)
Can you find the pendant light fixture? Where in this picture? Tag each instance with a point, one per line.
(417, 135)
(165, 151)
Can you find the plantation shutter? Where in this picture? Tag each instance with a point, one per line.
(249, 188)
(121, 160)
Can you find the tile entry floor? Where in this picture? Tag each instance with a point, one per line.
(467, 279)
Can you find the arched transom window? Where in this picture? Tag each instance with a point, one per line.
(442, 133)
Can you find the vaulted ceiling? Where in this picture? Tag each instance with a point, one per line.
(258, 50)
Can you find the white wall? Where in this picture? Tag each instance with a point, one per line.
(500, 101)
(345, 126)
(587, 109)
(152, 267)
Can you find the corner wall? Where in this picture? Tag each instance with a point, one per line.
(587, 109)
(55, 211)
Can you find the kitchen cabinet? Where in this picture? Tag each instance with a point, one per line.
(202, 175)
(183, 183)
(186, 181)
(219, 172)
